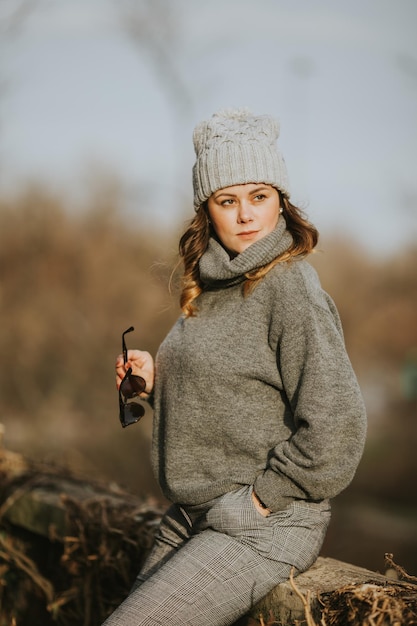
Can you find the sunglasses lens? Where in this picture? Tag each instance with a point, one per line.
(132, 386)
(131, 413)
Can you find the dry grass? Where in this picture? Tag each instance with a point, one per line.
(364, 604)
(77, 574)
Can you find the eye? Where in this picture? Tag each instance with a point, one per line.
(227, 202)
(260, 196)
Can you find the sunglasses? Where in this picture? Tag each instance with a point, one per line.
(130, 387)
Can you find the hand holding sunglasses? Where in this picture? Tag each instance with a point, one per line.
(131, 386)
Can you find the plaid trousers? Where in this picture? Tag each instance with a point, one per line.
(211, 563)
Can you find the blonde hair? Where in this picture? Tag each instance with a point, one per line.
(195, 239)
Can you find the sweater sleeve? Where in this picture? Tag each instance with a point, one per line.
(329, 422)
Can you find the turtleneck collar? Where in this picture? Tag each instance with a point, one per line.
(216, 266)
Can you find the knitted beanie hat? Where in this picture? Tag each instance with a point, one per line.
(235, 147)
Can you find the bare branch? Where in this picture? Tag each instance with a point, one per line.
(152, 26)
(11, 23)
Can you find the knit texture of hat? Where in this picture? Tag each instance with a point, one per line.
(235, 147)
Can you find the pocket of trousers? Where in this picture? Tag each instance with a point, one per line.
(235, 515)
(298, 537)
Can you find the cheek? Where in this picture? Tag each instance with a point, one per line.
(273, 219)
(220, 224)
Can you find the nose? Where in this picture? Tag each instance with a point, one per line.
(245, 213)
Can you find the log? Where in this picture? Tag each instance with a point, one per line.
(41, 498)
(325, 575)
(42, 510)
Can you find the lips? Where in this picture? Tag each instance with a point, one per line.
(247, 233)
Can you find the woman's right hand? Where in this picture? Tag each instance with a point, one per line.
(142, 364)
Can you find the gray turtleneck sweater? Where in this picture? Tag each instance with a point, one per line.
(257, 389)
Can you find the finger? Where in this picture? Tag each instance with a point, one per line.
(119, 361)
(121, 369)
(136, 360)
(136, 357)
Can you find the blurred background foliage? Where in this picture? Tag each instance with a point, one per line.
(71, 282)
(72, 278)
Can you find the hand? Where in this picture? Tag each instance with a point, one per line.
(258, 506)
(142, 365)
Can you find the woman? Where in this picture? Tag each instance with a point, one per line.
(258, 418)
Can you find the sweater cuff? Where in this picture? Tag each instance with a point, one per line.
(266, 491)
(148, 397)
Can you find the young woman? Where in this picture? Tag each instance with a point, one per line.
(258, 418)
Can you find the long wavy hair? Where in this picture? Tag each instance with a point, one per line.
(195, 239)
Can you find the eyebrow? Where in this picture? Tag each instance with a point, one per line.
(233, 195)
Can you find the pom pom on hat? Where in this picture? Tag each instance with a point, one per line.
(235, 147)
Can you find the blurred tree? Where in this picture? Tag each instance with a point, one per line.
(13, 14)
(70, 283)
(154, 28)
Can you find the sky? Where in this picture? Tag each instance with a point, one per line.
(117, 86)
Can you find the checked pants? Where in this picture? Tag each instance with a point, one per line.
(211, 563)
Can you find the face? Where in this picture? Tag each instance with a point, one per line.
(243, 214)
